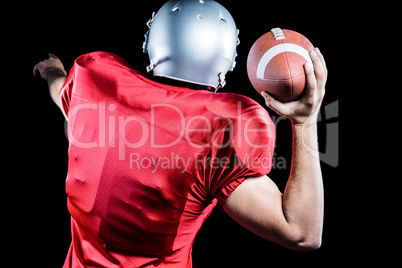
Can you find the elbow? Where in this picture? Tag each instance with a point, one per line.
(305, 240)
(306, 244)
(302, 241)
(296, 241)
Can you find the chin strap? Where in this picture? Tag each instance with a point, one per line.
(233, 65)
(154, 62)
(149, 23)
(222, 81)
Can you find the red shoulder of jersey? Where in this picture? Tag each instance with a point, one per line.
(94, 73)
(241, 148)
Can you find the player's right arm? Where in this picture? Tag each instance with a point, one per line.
(293, 219)
(52, 70)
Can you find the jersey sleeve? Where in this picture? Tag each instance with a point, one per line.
(95, 76)
(242, 149)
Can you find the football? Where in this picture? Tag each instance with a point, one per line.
(275, 64)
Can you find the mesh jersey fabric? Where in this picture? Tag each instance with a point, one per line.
(148, 162)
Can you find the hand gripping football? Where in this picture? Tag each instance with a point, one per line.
(275, 64)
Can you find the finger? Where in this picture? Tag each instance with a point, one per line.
(272, 103)
(318, 68)
(320, 72)
(35, 70)
(323, 63)
(311, 82)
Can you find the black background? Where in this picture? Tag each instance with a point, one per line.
(38, 219)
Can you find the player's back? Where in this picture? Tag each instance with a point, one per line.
(148, 162)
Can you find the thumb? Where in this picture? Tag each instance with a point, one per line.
(279, 107)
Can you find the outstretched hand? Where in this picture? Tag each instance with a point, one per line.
(53, 71)
(52, 63)
(308, 106)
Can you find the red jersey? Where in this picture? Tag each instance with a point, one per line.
(148, 162)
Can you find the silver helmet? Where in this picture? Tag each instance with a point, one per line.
(192, 41)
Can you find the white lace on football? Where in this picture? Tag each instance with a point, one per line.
(278, 34)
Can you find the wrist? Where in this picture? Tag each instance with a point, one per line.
(52, 73)
(305, 121)
(305, 134)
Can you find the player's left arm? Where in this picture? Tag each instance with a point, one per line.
(52, 70)
(293, 219)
